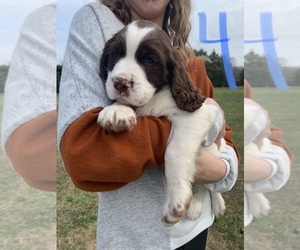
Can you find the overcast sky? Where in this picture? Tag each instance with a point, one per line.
(285, 20)
(12, 15)
(243, 21)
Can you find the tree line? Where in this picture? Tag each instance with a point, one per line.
(214, 67)
(256, 72)
(3, 76)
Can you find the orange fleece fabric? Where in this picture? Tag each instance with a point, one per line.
(101, 161)
(32, 151)
(275, 131)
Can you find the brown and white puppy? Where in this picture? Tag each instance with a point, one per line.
(146, 75)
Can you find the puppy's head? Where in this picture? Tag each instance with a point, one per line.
(139, 61)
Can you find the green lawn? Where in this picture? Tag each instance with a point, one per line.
(77, 210)
(76, 214)
(27, 215)
(280, 229)
(227, 231)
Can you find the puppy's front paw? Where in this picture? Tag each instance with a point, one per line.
(117, 117)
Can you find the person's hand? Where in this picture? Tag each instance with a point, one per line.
(213, 133)
(255, 168)
(209, 168)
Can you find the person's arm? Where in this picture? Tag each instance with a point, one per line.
(29, 114)
(32, 151)
(278, 159)
(94, 159)
(218, 174)
(228, 158)
(256, 168)
(268, 169)
(101, 161)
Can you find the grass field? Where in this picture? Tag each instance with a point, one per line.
(281, 228)
(227, 231)
(77, 210)
(27, 215)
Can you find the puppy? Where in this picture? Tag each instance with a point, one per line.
(258, 204)
(146, 75)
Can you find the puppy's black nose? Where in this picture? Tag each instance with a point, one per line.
(121, 84)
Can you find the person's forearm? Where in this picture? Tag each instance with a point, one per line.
(101, 161)
(210, 169)
(32, 151)
(256, 169)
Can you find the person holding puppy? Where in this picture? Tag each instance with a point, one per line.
(125, 168)
(267, 171)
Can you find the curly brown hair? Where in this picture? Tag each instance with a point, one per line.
(176, 22)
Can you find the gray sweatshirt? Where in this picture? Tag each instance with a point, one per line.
(30, 89)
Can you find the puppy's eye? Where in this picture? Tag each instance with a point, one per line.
(150, 59)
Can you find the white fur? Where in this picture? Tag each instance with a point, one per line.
(134, 36)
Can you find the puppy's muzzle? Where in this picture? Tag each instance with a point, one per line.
(122, 85)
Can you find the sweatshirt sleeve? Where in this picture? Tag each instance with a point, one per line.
(29, 113)
(30, 88)
(280, 162)
(31, 150)
(279, 156)
(94, 159)
(101, 161)
(228, 155)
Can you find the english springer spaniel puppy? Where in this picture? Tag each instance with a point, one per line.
(146, 75)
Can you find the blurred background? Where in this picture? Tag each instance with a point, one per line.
(27, 214)
(272, 67)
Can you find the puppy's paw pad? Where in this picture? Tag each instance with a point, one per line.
(174, 211)
(169, 220)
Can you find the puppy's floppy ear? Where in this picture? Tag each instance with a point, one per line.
(104, 59)
(185, 94)
(104, 63)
